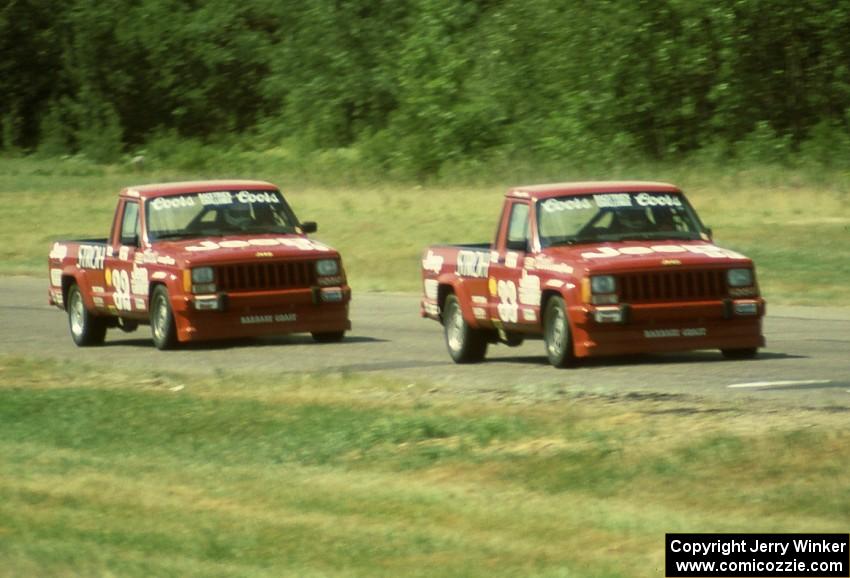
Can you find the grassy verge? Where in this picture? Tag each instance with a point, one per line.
(795, 226)
(173, 475)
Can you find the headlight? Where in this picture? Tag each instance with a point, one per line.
(327, 267)
(202, 275)
(603, 284)
(739, 277)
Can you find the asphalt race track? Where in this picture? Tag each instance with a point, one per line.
(806, 363)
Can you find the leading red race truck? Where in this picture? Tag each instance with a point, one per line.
(199, 261)
(596, 268)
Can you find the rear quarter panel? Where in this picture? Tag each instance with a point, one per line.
(458, 269)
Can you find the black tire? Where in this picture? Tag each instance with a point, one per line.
(743, 353)
(465, 344)
(328, 336)
(163, 328)
(86, 329)
(556, 333)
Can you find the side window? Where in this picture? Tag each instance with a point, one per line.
(518, 228)
(130, 224)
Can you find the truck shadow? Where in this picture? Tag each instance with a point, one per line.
(244, 342)
(647, 359)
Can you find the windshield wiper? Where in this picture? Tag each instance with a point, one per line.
(174, 235)
(572, 241)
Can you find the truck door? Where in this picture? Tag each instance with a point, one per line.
(126, 279)
(508, 284)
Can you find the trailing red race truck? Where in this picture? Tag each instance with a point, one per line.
(199, 261)
(597, 268)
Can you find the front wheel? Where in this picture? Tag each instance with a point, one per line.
(86, 329)
(465, 344)
(556, 333)
(163, 329)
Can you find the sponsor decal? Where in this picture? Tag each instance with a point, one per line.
(636, 251)
(670, 262)
(56, 277)
(479, 313)
(301, 244)
(140, 304)
(663, 333)
(139, 281)
(529, 263)
(529, 315)
(124, 253)
(529, 289)
(662, 200)
(511, 259)
(109, 251)
(159, 275)
(276, 318)
(613, 200)
(479, 299)
(432, 262)
(59, 251)
(98, 301)
(120, 281)
(711, 251)
(494, 256)
(216, 198)
(508, 307)
(166, 260)
(91, 256)
(161, 203)
(473, 264)
(492, 286)
(553, 266)
(257, 197)
(555, 205)
(98, 288)
(554, 283)
(431, 289)
(263, 254)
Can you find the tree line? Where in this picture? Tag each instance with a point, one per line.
(421, 83)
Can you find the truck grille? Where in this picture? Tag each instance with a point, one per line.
(672, 286)
(265, 276)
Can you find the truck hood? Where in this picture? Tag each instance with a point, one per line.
(240, 248)
(627, 255)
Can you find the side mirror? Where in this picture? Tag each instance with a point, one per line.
(309, 227)
(708, 232)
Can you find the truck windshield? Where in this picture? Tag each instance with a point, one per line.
(616, 217)
(218, 213)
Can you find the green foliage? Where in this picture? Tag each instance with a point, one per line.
(427, 84)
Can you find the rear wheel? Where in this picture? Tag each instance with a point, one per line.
(465, 344)
(328, 336)
(86, 329)
(163, 329)
(556, 333)
(743, 353)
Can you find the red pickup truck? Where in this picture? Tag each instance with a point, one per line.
(596, 268)
(199, 261)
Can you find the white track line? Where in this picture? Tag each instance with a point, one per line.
(779, 383)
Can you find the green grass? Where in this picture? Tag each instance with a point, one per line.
(796, 225)
(165, 474)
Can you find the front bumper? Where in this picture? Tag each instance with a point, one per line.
(257, 313)
(648, 328)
